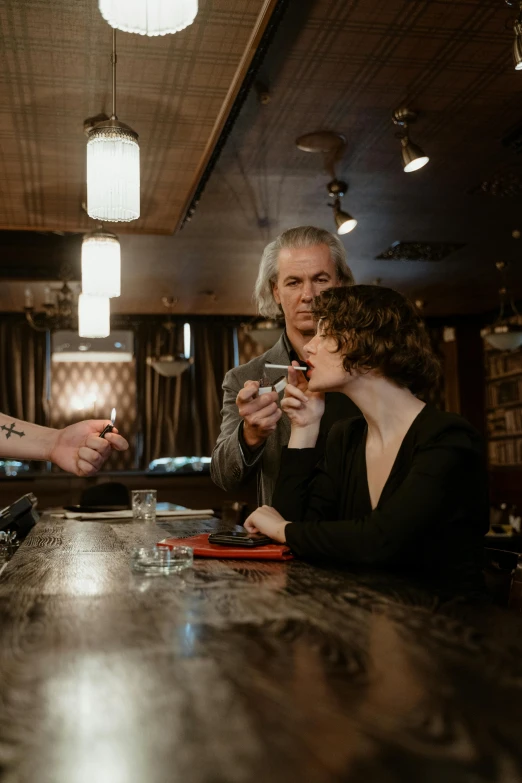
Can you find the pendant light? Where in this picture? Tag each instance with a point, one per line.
(94, 316)
(413, 157)
(149, 17)
(505, 334)
(113, 165)
(101, 264)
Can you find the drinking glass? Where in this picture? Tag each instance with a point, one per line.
(144, 505)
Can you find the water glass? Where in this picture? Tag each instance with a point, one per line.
(234, 512)
(144, 505)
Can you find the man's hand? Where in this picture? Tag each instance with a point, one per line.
(79, 449)
(260, 414)
(268, 521)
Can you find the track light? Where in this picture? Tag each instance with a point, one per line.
(343, 220)
(413, 157)
(517, 44)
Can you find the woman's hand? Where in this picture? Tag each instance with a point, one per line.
(304, 409)
(268, 521)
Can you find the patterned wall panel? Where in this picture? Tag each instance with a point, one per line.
(90, 390)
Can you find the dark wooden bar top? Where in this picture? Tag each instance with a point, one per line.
(244, 671)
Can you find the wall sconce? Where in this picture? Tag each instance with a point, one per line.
(413, 157)
(58, 309)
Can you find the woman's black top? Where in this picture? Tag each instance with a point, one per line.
(432, 514)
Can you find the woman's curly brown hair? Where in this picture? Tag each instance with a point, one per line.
(377, 328)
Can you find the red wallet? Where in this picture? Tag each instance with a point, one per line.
(202, 548)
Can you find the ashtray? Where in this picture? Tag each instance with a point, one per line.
(161, 561)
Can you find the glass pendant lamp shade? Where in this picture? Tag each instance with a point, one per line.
(113, 173)
(149, 17)
(94, 316)
(413, 157)
(101, 264)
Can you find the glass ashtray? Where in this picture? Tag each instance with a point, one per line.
(161, 561)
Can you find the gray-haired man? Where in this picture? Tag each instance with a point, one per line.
(294, 268)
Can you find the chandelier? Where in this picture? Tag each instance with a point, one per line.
(505, 334)
(101, 264)
(113, 165)
(149, 17)
(58, 309)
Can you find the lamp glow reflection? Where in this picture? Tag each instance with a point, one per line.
(101, 264)
(149, 17)
(94, 316)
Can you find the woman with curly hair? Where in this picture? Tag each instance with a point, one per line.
(403, 486)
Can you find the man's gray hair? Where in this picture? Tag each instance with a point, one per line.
(299, 237)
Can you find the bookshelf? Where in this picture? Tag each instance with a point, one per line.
(504, 407)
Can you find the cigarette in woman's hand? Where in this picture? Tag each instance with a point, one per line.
(285, 367)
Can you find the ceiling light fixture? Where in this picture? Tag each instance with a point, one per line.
(332, 146)
(101, 264)
(149, 17)
(172, 365)
(94, 316)
(265, 331)
(113, 165)
(517, 29)
(505, 334)
(413, 157)
(343, 220)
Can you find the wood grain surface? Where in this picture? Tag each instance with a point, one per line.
(244, 671)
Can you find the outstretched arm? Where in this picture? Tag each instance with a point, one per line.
(77, 449)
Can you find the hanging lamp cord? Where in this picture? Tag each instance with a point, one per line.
(114, 60)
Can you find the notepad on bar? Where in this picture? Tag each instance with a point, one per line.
(202, 548)
(187, 513)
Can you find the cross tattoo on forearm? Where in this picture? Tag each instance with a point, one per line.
(11, 431)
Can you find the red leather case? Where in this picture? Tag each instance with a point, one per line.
(202, 548)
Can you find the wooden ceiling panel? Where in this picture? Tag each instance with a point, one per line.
(343, 65)
(173, 90)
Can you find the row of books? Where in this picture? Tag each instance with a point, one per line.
(504, 421)
(502, 363)
(505, 452)
(507, 391)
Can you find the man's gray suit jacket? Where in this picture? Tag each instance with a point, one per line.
(228, 469)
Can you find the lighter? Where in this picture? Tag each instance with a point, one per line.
(109, 427)
(278, 385)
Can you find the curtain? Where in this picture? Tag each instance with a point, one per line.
(213, 350)
(180, 416)
(24, 370)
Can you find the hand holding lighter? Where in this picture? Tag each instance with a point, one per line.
(109, 427)
(278, 385)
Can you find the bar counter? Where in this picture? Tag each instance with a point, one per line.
(244, 670)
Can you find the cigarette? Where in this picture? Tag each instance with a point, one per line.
(285, 367)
